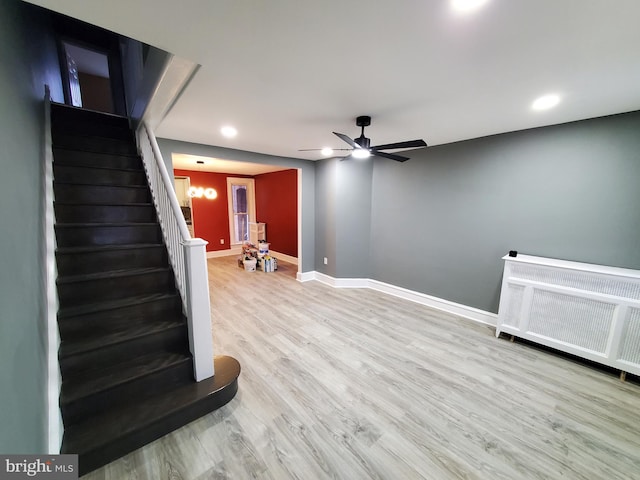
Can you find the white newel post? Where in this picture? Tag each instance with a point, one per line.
(200, 335)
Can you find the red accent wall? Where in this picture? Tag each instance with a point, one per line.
(210, 217)
(277, 206)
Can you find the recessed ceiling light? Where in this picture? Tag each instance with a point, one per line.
(464, 6)
(360, 153)
(326, 151)
(229, 131)
(545, 102)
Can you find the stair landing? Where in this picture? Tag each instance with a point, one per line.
(121, 431)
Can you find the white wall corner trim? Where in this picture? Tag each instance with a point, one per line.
(305, 276)
(342, 282)
(447, 306)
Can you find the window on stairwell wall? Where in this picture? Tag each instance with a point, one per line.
(242, 210)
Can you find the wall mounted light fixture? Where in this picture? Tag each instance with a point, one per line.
(199, 192)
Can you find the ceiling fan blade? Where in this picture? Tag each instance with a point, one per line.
(407, 144)
(346, 139)
(391, 156)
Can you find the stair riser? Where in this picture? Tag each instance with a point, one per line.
(104, 289)
(97, 176)
(91, 129)
(145, 387)
(72, 116)
(86, 236)
(69, 193)
(172, 340)
(92, 262)
(74, 213)
(148, 312)
(63, 156)
(95, 144)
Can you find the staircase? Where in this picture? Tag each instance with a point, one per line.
(127, 374)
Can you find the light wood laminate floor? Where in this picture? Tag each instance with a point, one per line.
(356, 384)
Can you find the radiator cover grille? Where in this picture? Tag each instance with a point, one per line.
(578, 321)
(587, 310)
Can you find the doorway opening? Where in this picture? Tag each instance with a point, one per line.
(88, 82)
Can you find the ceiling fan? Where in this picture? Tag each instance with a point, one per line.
(361, 146)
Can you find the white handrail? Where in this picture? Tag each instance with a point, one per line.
(166, 179)
(187, 255)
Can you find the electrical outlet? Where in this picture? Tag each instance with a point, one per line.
(325, 260)
(222, 241)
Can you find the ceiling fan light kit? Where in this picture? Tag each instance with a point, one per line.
(360, 153)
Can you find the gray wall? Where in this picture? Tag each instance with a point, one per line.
(441, 221)
(29, 60)
(307, 225)
(353, 219)
(343, 217)
(326, 199)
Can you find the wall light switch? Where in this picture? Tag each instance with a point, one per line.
(325, 260)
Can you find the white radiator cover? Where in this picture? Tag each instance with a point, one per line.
(591, 311)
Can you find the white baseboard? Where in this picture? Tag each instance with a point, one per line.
(341, 282)
(458, 309)
(284, 257)
(225, 253)
(306, 276)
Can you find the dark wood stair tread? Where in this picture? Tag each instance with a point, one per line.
(97, 185)
(99, 167)
(107, 248)
(96, 337)
(63, 108)
(110, 274)
(60, 138)
(118, 224)
(66, 148)
(112, 304)
(112, 204)
(104, 438)
(94, 381)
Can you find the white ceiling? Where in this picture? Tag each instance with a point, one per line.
(210, 164)
(286, 73)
